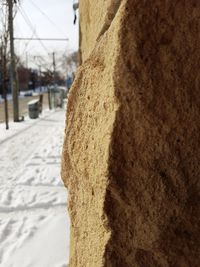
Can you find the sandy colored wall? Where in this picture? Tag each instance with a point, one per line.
(131, 153)
(95, 18)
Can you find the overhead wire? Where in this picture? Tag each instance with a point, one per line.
(46, 16)
(28, 22)
(34, 33)
(33, 30)
(43, 65)
(26, 43)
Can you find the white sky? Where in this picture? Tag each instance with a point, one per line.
(61, 16)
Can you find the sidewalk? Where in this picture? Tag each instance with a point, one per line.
(34, 226)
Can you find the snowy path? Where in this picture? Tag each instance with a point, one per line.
(34, 227)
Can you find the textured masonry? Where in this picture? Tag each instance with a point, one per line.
(131, 157)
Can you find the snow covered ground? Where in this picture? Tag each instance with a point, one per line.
(34, 225)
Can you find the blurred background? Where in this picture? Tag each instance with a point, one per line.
(38, 61)
(45, 44)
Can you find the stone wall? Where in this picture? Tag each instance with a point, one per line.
(95, 19)
(131, 153)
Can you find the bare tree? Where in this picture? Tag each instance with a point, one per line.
(70, 62)
(4, 36)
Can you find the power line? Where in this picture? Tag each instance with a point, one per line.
(26, 46)
(28, 22)
(41, 59)
(26, 43)
(47, 17)
(41, 39)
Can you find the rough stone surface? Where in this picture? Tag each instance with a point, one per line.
(132, 148)
(95, 19)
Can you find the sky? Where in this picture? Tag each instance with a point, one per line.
(45, 19)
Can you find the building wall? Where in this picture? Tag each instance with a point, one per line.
(131, 153)
(95, 18)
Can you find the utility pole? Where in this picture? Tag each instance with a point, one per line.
(27, 60)
(27, 71)
(4, 82)
(40, 78)
(54, 77)
(54, 69)
(13, 74)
